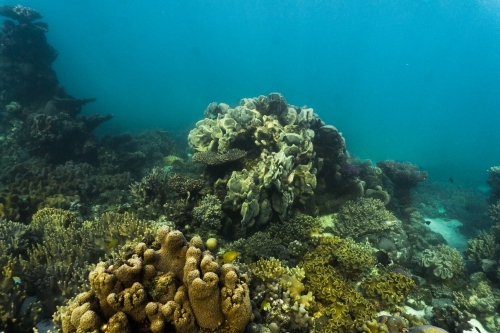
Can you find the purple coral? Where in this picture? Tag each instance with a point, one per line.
(348, 170)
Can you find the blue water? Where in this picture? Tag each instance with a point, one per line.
(416, 81)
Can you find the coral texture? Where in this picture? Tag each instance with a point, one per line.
(363, 216)
(443, 261)
(192, 292)
(279, 138)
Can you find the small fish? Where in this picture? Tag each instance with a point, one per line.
(427, 222)
(228, 257)
(112, 243)
(477, 329)
(16, 279)
(451, 180)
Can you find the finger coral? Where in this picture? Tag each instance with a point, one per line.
(192, 292)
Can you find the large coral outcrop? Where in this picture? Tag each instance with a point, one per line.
(176, 286)
(278, 140)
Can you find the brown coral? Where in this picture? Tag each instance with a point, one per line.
(215, 158)
(121, 294)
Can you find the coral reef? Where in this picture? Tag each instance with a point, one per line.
(216, 158)
(14, 315)
(332, 271)
(209, 212)
(484, 246)
(278, 141)
(443, 261)
(280, 294)
(451, 319)
(388, 288)
(32, 185)
(363, 216)
(195, 292)
(404, 176)
(494, 183)
(479, 299)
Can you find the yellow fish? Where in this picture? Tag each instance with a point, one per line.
(112, 243)
(228, 257)
(16, 279)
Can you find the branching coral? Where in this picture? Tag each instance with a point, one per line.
(151, 189)
(281, 294)
(13, 288)
(443, 261)
(331, 271)
(363, 216)
(209, 212)
(494, 211)
(494, 183)
(482, 247)
(201, 295)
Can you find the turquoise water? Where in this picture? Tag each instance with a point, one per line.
(407, 80)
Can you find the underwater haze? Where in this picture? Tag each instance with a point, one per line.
(413, 81)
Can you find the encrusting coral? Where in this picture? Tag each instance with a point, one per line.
(195, 292)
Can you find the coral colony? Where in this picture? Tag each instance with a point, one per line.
(258, 221)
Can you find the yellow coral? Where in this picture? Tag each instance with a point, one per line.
(388, 288)
(177, 284)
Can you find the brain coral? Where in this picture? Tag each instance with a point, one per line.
(281, 164)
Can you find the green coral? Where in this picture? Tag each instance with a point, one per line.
(363, 216)
(443, 261)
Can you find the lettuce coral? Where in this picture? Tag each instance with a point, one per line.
(277, 138)
(443, 261)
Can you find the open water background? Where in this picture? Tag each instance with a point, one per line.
(415, 81)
